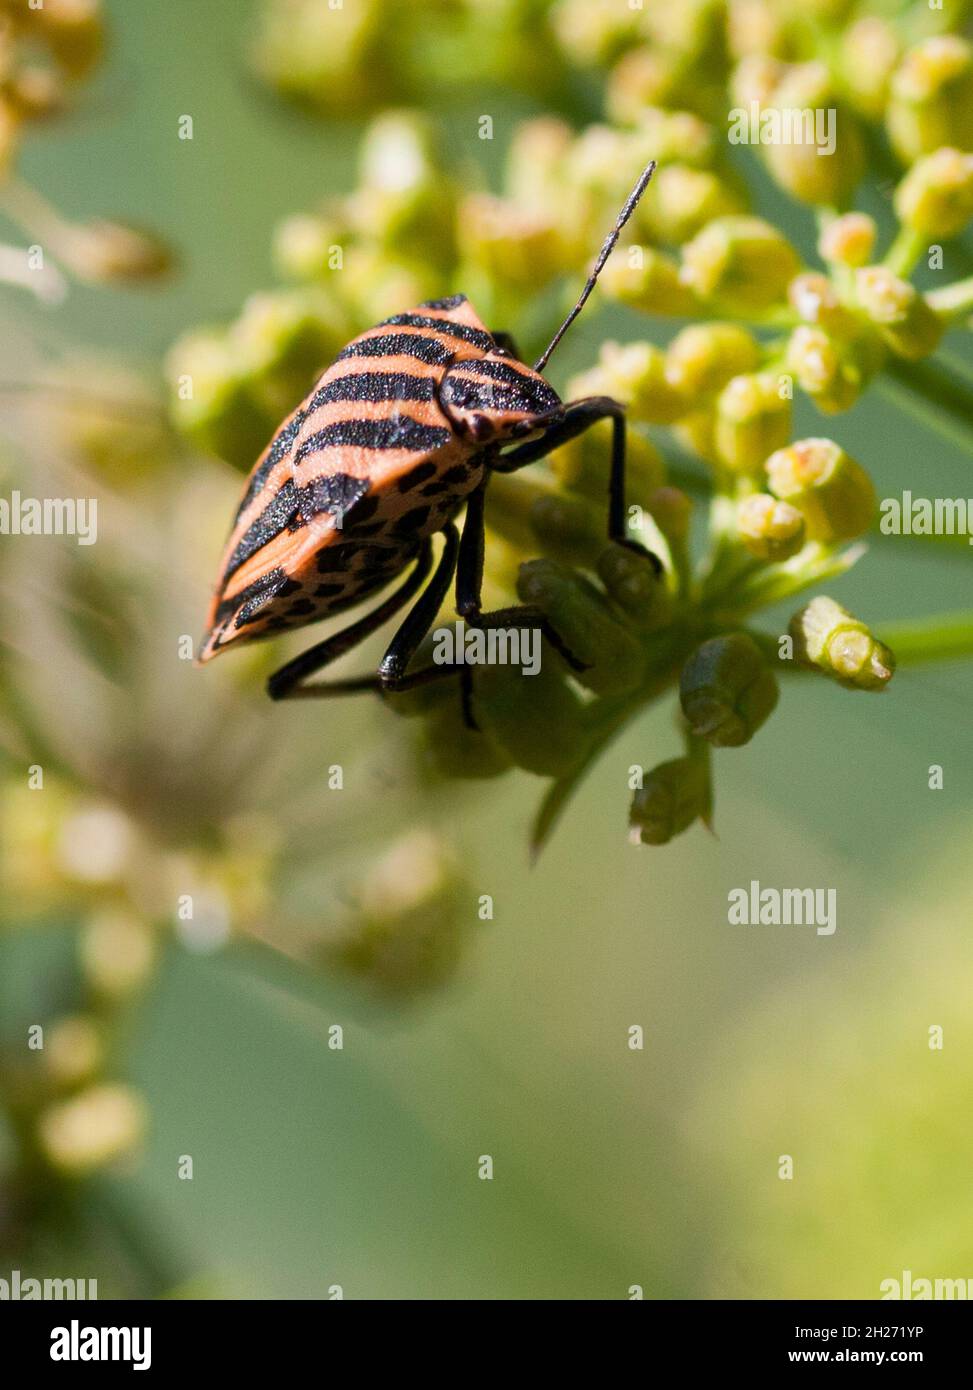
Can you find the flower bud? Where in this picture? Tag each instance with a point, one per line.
(828, 637)
(591, 35)
(582, 619)
(211, 403)
(833, 493)
(117, 953)
(756, 77)
(727, 690)
(93, 1128)
(647, 280)
(509, 243)
(848, 240)
(116, 253)
(755, 30)
(75, 33)
(935, 198)
(583, 463)
(635, 374)
(642, 78)
(931, 102)
(304, 246)
(537, 720)
(672, 797)
(74, 1049)
(9, 137)
(635, 587)
(684, 200)
(450, 747)
(703, 357)
(534, 158)
(770, 530)
(753, 419)
(672, 135)
(869, 52)
(820, 369)
(906, 320)
(823, 170)
(743, 263)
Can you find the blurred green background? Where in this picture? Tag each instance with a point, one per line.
(613, 1168)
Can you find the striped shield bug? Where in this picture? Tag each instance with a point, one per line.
(404, 428)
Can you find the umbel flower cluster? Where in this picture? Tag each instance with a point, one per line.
(773, 515)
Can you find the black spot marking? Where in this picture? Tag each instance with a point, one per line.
(415, 476)
(412, 520)
(457, 474)
(328, 590)
(434, 489)
(301, 608)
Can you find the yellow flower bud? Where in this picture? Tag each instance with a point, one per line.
(742, 262)
(868, 55)
(753, 419)
(117, 952)
(821, 369)
(75, 32)
(74, 1049)
(906, 320)
(648, 280)
(833, 493)
(823, 170)
(770, 529)
(93, 1128)
(931, 101)
(828, 637)
(935, 198)
(635, 374)
(684, 200)
(703, 357)
(848, 240)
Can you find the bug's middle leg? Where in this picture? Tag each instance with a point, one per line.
(288, 682)
(568, 423)
(469, 585)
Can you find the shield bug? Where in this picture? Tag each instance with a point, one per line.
(402, 430)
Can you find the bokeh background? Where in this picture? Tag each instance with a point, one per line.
(314, 1166)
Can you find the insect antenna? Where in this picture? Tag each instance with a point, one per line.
(631, 203)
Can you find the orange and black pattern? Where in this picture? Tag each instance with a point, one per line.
(381, 454)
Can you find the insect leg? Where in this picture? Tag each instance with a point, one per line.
(287, 682)
(574, 419)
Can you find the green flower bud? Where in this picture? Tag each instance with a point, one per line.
(286, 333)
(697, 433)
(592, 35)
(828, 637)
(582, 464)
(753, 419)
(833, 493)
(870, 50)
(935, 198)
(848, 240)
(323, 55)
(671, 135)
(671, 510)
(582, 619)
(814, 171)
(305, 246)
(704, 357)
(727, 690)
(635, 374)
(510, 244)
(684, 200)
(931, 101)
(643, 78)
(755, 30)
(742, 262)
(407, 930)
(770, 530)
(534, 163)
(648, 280)
(906, 320)
(635, 588)
(566, 528)
(757, 76)
(537, 720)
(74, 1049)
(672, 797)
(211, 402)
(403, 199)
(450, 747)
(108, 253)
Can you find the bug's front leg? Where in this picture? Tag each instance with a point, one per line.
(573, 419)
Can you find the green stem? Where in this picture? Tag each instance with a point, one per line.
(953, 301)
(940, 637)
(904, 252)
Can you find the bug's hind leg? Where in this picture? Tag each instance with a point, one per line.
(568, 423)
(288, 682)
